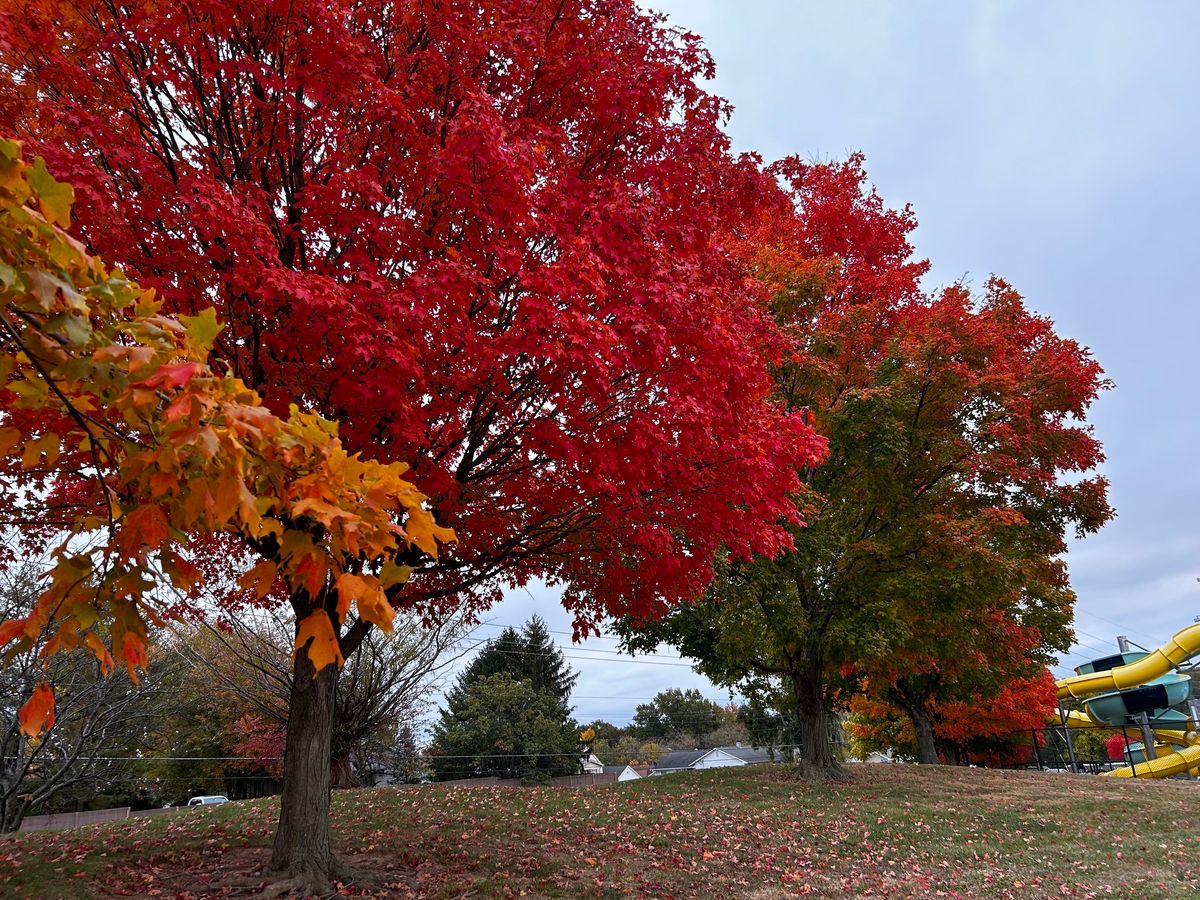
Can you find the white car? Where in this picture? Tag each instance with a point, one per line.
(208, 800)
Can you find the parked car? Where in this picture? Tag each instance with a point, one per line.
(208, 800)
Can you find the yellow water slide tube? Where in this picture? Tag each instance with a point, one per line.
(1164, 767)
(1183, 646)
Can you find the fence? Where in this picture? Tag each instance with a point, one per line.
(73, 819)
(1047, 749)
(569, 781)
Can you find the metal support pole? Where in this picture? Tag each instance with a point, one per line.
(1062, 714)
(1129, 758)
(1147, 736)
(1122, 643)
(1037, 756)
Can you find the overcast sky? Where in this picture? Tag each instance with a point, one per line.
(1055, 144)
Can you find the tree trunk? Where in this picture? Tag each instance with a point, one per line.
(817, 759)
(927, 753)
(343, 776)
(915, 703)
(12, 814)
(301, 850)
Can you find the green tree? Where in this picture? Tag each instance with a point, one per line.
(673, 714)
(497, 725)
(605, 731)
(958, 446)
(479, 733)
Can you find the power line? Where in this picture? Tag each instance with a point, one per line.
(722, 700)
(517, 628)
(617, 658)
(577, 649)
(1124, 628)
(1107, 641)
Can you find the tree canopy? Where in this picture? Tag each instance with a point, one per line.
(159, 445)
(499, 254)
(675, 712)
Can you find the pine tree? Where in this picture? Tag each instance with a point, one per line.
(509, 712)
(528, 655)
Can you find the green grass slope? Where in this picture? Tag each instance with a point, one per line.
(894, 831)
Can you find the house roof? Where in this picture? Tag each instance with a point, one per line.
(614, 770)
(680, 759)
(748, 754)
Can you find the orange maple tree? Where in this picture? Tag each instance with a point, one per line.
(96, 382)
(995, 730)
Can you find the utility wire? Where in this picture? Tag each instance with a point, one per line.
(576, 649)
(1125, 629)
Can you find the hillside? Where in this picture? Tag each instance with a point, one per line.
(895, 831)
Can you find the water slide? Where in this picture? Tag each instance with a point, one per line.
(1117, 688)
(1155, 664)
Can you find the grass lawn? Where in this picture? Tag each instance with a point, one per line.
(894, 831)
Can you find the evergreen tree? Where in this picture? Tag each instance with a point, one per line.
(509, 712)
(526, 655)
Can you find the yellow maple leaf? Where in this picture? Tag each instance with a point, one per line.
(315, 635)
(367, 594)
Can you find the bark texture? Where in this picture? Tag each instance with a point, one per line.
(817, 759)
(302, 850)
(927, 752)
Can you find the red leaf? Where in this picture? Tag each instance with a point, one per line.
(169, 377)
(37, 714)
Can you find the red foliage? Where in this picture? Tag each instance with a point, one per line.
(1020, 706)
(839, 217)
(996, 731)
(1115, 746)
(499, 252)
(261, 742)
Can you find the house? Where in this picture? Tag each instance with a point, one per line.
(591, 764)
(716, 758)
(623, 773)
(750, 755)
(878, 756)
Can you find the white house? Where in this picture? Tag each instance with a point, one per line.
(878, 756)
(623, 773)
(591, 764)
(716, 758)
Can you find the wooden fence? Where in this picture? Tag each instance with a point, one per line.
(570, 781)
(96, 816)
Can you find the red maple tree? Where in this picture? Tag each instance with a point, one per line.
(996, 730)
(489, 238)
